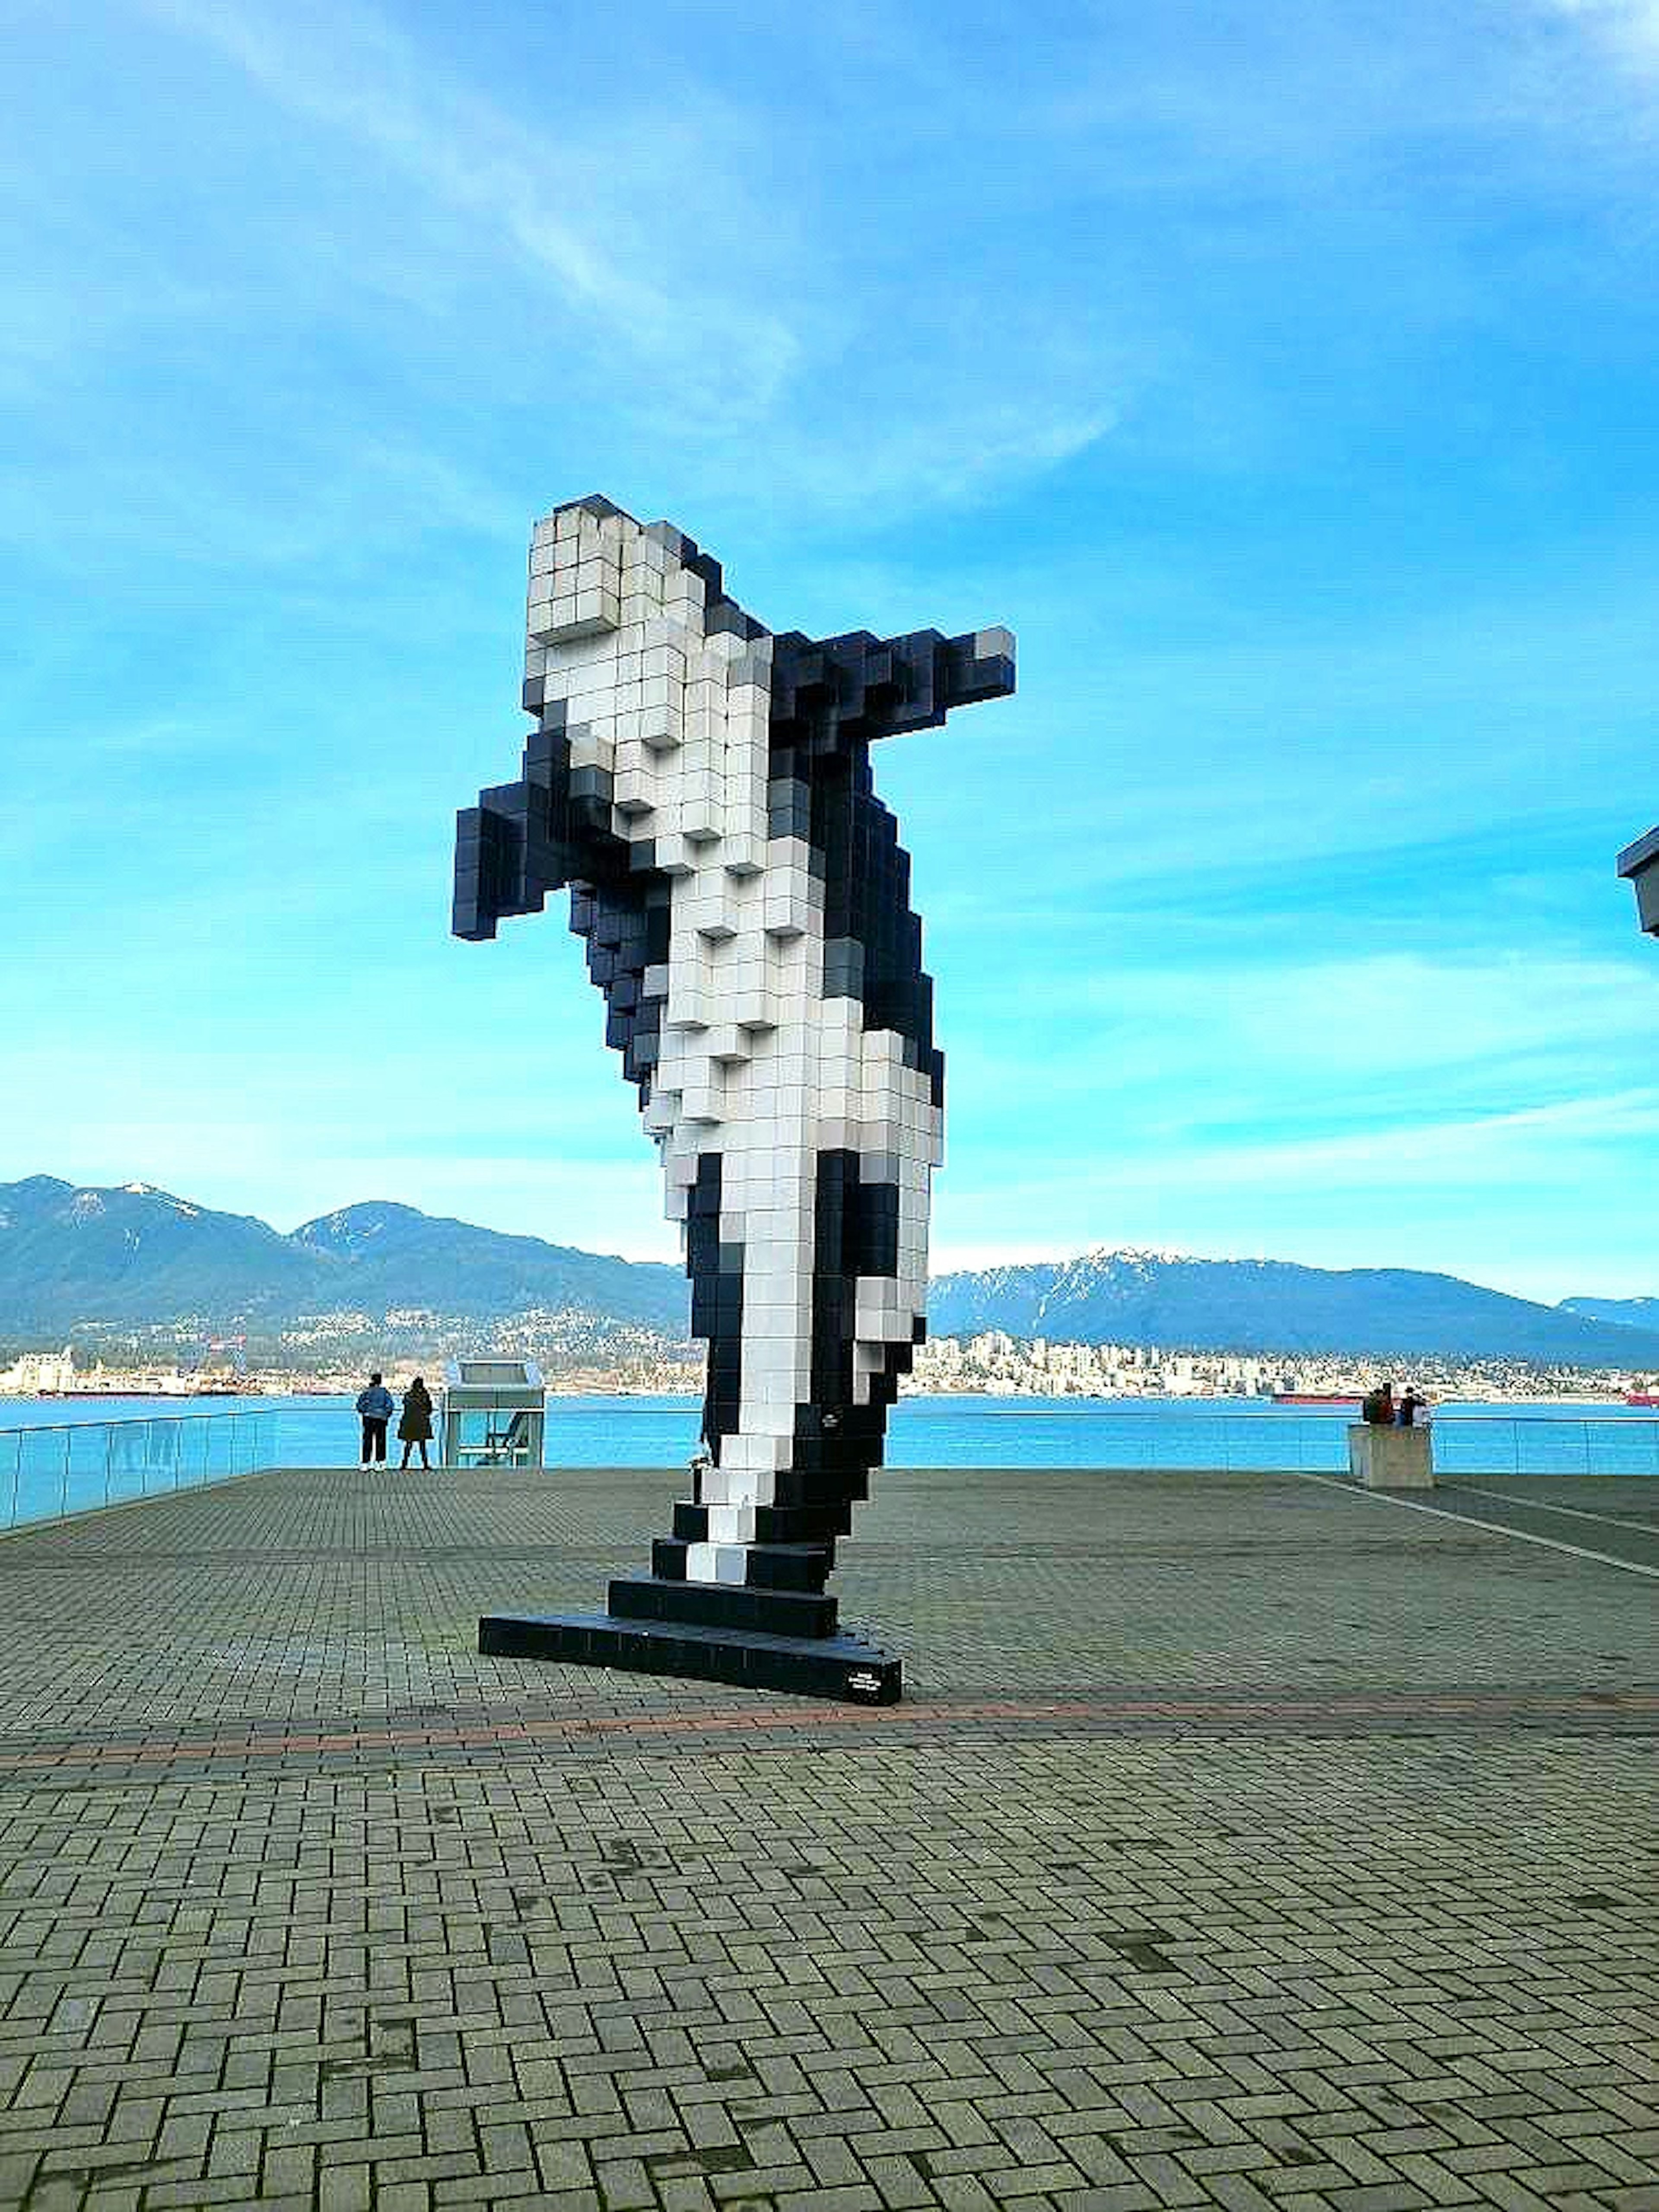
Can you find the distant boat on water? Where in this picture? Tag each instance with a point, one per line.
(1316, 1397)
(1642, 1397)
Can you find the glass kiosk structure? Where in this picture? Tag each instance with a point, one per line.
(494, 1413)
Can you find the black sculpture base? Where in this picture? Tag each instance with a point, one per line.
(835, 1665)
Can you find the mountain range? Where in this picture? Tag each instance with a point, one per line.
(1171, 1300)
(135, 1254)
(78, 1257)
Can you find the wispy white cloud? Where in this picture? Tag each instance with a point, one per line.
(1430, 1108)
(1495, 1149)
(708, 297)
(1488, 1195)
(967, 447)
(1388, 1016)
(1630, 27)
(592, 215)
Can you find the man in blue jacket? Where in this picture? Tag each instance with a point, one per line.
(374, 1409)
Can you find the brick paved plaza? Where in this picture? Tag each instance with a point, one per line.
(1245, 1840)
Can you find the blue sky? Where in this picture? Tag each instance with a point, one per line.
(1285, 374)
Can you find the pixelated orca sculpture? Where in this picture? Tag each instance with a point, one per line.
(703, 788)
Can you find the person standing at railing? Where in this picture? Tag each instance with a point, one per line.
(415, 1423)
(374, 1409)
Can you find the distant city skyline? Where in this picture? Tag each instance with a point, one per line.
(1286, 379)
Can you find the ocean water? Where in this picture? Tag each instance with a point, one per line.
(65, 1454)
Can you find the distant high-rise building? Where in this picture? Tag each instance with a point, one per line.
(1640, 863)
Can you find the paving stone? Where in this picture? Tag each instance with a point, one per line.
(1190, 1873)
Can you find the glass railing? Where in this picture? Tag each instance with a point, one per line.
(1496, 1444)
(71, 1467)
(963, 1432)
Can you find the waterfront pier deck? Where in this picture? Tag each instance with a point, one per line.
(1245, 1839)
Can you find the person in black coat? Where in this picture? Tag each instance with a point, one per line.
(415, 1423)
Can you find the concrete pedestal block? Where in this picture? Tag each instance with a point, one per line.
(1390, 1459)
